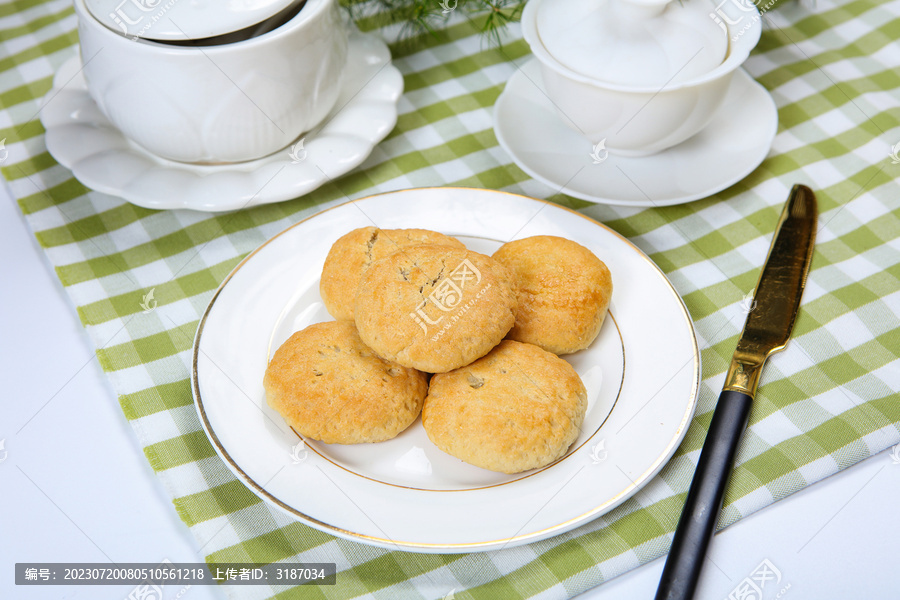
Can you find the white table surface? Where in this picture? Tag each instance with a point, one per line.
(75, 486)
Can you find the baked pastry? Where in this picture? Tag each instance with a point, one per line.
(352, 254)
(434, 308)
(563, 292)
(518, 408)
(330, 387)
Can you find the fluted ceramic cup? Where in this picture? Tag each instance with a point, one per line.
(217, 104)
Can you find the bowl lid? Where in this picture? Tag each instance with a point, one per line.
(180, 20)
(633, 42)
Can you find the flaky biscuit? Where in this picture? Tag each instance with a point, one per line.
(329, 386)
(563, 292)
(352, 254)
(518, 408)
(435, 308)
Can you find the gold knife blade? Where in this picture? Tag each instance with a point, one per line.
(776, 298)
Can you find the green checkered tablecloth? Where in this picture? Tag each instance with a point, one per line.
(828, 401)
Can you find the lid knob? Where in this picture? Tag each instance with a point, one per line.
(639, 43)
(641, 9)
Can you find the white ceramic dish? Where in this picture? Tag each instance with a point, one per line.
(735, 142)
(100, 157)
(642, 376)
(639, 120)
(225, 103)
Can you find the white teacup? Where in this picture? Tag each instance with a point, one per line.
(639, 121)
(217, 104)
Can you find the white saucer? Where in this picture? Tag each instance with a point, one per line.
(100, 157)
(727, 150)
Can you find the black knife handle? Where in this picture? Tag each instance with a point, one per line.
(704, 500)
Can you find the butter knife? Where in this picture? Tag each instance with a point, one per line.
(770, 320)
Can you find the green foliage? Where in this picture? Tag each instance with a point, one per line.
(426, 16)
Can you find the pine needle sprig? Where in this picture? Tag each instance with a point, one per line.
(416, 17)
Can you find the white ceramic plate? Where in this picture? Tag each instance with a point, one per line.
(642, 376)
(735, 142)
(100, 157)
